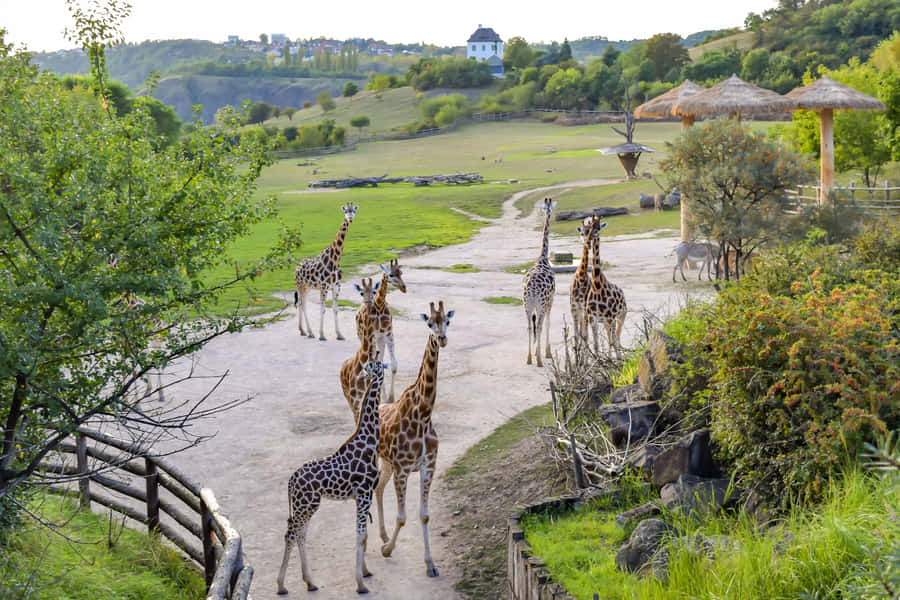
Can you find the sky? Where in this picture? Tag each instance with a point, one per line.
(39, 24)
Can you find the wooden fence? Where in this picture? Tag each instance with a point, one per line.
(215, 545)
(885, 198)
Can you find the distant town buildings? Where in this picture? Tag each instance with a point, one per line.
(486, 45)
(309, 48)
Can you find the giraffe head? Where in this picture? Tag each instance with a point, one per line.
(597, 225)
(375, 368)
(367, 290)
(438, 322)
(349, 212)
(394, 275)
(548, 205)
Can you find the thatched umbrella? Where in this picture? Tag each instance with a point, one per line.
(663, 105)
(825, 96)
(733, 97)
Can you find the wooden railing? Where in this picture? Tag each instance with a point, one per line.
(217, 545)
(872, 198)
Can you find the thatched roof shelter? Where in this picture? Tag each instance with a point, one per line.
(630, 147)
(629, 153)
(825, 96)
(733, 97)
(664, 104)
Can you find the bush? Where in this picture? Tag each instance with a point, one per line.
(802, 380)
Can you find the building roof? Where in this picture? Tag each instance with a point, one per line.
(485, 34)
(828, 93)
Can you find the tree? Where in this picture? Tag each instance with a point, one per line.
(350, 89)
(289, 111)
(735, 180)
(712, 65)
(565, 51)
(264, 39)
(307, 104)
(755, 65)
(610, 55)
(666, 51)
(360, 122)
(325, 100)
(94, 215)
(260, 112)
(518, 54)
(166, 123)
(563, 89)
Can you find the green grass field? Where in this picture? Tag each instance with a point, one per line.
(392, 218)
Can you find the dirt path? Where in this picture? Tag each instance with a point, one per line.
(298, 412)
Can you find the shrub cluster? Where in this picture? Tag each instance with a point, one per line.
(431, 73)
(802, 360)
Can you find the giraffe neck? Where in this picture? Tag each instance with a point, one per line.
(367, 424)
(545, 243)
(582, 271)
(598, 279)
(381, 297)
(368, 341)
(426, 382)
(334, 251)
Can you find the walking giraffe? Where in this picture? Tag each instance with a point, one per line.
(538, 288)
(353, 383)
(351, 472)
(408, 439)
(581, 283)
(606, 302)
(323, 272)
(384, 328)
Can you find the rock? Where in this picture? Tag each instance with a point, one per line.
(644, 458)
(645, 200)
(673, 199)
(692, 494)
(630, 421)
(661, 353)
(637, 513)
(645, 540)
(632, 392)
(691, 454)
(600, 211)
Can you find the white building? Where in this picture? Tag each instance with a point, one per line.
(486, 45)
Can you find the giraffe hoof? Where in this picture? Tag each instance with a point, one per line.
(311, 587)
(339, 337)
(322, 338)
(367, 574)
(386, 551)
(431, 571)
(362, 590)
(282, 591)
(528, 362)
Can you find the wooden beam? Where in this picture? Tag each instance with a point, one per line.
(826, 172)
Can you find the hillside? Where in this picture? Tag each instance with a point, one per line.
(183, 91)
(742, 41)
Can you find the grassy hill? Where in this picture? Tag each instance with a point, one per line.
(742, 40)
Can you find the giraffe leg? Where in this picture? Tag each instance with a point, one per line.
(335, 292)
(538, 325)
(305, 315)
(595, 326)
(384, 475)
(159, 383)
(323, 297)
(425, 476)
(400, 480)
(389, 339)
(528, 320)
(547, 329)
(620, 325)
(296, 533)
(304, 569)
(363, 503)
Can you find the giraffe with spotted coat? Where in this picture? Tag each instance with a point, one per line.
(351, 472)
(409, 441)
(323, 272)
(538, 288)
(606, 301)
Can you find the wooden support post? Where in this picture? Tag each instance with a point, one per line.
(84, 484)
(826, 154)
(209, 555)
(576, 461)
(152, 481)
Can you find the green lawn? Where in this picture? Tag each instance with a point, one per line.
(100, 560)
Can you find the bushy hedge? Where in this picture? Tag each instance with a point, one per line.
(802, 360)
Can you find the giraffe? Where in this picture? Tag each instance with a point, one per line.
(538, 288)
(353, 383)
(408, 439)
(384, 331)
(581, 282)
(606, 302)
(351, 472)
(323, 272)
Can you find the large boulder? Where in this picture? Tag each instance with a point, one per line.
(695, 495)
(653, 367)
(629, 422)
(628, 393)
(644, 542)
(691, 454)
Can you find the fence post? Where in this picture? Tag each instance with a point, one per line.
(209, 555)
(887, 195)
(852, 189)
(84, 485)
(152, 496)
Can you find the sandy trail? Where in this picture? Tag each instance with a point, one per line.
(298, 412)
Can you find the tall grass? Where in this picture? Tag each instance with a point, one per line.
(97, 559)
(822, 552)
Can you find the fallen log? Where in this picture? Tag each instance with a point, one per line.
(355, 182)
(454, 179)
(602, 211)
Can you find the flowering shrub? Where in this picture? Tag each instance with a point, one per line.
(801, 380)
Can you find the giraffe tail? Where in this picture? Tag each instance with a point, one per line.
(534, 324)
(296, 298)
